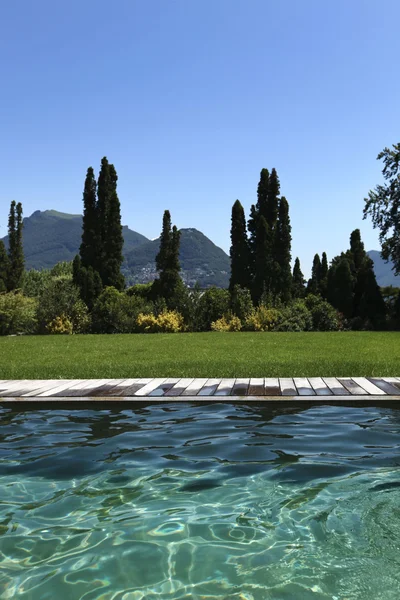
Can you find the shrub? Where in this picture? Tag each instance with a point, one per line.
(295, 317)
(241, 302)
(58, 297)
(169, 321)
(324, 316)
(17, 314)
(227, 323)
(60, 325)
(213, 304)
(263, 319)
(80, 317)
(116, 312)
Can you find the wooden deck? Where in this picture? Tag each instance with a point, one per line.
(312, 388)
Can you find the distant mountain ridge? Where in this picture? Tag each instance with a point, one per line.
(383, 271)
(50, 237)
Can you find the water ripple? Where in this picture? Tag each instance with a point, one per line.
(180, 501)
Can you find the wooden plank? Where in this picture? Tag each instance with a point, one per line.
(209, 387)
(61, 401)
(256, 387)
(336, 387)
(387, 387)
(319, 386)
(241, 387)
(369, 387)
(149, 387)
(194, 387)
(304, 388)
(225, 387)
(353, 387)
(80, 388)
(18, 384)
(133, 388)
(107, 389)
(393, 380)
(164, 387)
(59, 388)
(179, 387)
(287, 386)
(49, 385)
(272, 387)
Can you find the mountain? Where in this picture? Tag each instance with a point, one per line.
(201, 261)
(383, 270)
(50, 236)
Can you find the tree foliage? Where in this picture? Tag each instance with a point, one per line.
(15, 248)
(240, 250)
(383, 206)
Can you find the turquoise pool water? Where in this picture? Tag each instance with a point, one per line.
(207, 501)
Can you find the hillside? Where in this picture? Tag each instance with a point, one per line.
(200, 258)
(50, 236)
(383, 270)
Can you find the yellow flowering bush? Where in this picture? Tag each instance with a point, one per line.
(227, 323)
(263, 319)
(168, 321)
(60, 325)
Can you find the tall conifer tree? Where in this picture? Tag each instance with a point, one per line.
(272, 200)
(15, 248)
(282, 252)
(239, 251)
(4, 267)
(298, 281)
(113, 240)
(167, 262)
(323, 276)
(313, 286)
(90, 246)
(263, 267)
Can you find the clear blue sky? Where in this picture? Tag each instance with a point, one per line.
(191, 98)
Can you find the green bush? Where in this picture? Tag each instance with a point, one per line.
(324, 316)
(116, 312)
(17, 314)
(241, 302)
(58, 297)
(213, 304)
(295, 317)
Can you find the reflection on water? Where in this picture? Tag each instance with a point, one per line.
(200, 501)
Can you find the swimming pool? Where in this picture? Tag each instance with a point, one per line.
(219, 500)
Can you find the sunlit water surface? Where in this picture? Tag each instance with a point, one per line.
(200, 501)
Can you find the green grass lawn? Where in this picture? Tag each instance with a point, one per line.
(338, 354)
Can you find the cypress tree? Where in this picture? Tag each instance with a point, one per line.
(263, 193)
(167, 262)
(262, 281)
(298, 281)
(370, 303)
(90, 246)
(313, 286)
(113, 240)
(341, 286)
(15, 248)
(323, 276)
(282, 252)
(239, 251)
(273, 199)
(4, 267)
